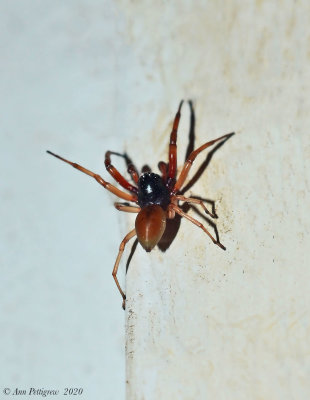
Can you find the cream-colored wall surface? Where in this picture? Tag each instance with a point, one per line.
(203, 323)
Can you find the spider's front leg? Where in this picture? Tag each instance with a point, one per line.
(172, 167)
(127, 208)
(119, 177)
(190, 160)
(111, 188)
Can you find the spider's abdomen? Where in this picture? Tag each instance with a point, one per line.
(152, 190)
(150, 226)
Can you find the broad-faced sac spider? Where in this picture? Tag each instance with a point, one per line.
(155, 197)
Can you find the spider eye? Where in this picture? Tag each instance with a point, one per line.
(150, 226)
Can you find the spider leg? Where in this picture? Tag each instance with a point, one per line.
(99, 179)
(191, 159)
(115, 269)
(126, 208)
(199, 224)
(131, 169)
(195, 201)
(133, 173)
(173, 146)
(163, 168)
(116, 175)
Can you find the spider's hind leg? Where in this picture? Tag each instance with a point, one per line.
(129, 235)
(195, 201)
(199, 224)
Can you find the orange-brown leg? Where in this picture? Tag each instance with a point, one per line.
(163, 168)
(199, 224)
(99, 179)
(116, 175)
(133, 172)
(118, 258)
(172, 169)
(195, 201)
(129, 209)
(191, 159)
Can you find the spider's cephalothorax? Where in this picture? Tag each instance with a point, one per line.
(152, 190)
(156, 197)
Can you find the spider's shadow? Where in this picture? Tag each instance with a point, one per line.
(173, 225)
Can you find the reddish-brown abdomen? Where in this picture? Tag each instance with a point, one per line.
(150, 226)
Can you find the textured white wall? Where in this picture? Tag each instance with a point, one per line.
(203, 323)
(81, 77)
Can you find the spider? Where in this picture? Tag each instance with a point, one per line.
(156, 197)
